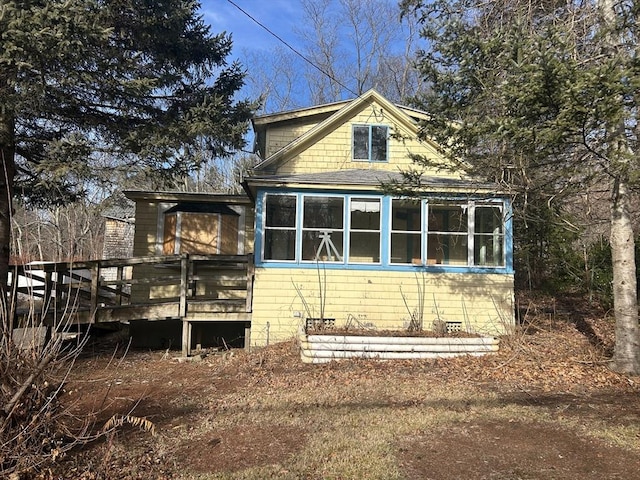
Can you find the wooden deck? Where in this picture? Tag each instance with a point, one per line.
(191, 288)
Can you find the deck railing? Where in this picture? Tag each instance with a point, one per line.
(193, 287)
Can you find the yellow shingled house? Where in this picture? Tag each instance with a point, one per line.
(330, 245)
(331, 248)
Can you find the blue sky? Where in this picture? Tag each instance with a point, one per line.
(280, 16)
(262, 54)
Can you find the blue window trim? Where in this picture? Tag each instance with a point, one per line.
(385, 264)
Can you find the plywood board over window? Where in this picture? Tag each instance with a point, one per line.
(199, 233)
(169, 239)
(228, 244)
(200, 229)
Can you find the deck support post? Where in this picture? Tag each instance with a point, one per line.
(186, 325)
(184, 283)
(247, 336)
(186, 338)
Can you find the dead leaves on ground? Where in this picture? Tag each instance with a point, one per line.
(553, 356)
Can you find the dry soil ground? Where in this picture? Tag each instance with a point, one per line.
(544, 407)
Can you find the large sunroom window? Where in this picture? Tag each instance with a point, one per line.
(447, 238)
(406, 231)
(488, 238)
(280, 227)
(357, 229)
(323, 228)
(364, 230)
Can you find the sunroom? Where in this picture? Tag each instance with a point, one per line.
(358, 229)
(338, 242)
(381, 231)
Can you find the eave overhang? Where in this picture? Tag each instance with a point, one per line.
(190, 197)
(361, 180)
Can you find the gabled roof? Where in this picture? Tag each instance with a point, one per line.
(317, 110)
(338, 114)
(118, 207)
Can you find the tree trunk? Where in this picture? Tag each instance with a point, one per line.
(626, 358)
(7, 173)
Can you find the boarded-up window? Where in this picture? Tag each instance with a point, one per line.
(199, 233)
(189, 228)
(169, 240)
(229, 235)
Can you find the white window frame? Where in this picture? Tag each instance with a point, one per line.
(349, 230)
(265, 228)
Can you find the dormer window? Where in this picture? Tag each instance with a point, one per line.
(370, 143)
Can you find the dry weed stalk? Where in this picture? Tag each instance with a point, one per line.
(416, 315)
(36, 428)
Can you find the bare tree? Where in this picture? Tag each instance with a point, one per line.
(275, 78)
(58, 233)
(347, 47)
(397, 77)
(323, 49)
(218, 177)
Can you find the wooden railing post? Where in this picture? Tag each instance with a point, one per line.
(184, 284)
(46, 294)
(56, 285)
(95, 284)
(250, 275)
(119, 278)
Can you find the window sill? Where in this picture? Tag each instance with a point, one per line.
(392, 267)
(364, 160)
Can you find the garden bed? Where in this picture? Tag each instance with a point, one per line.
(325, 346)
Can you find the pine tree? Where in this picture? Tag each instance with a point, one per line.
(91, 87)
(543, 97)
